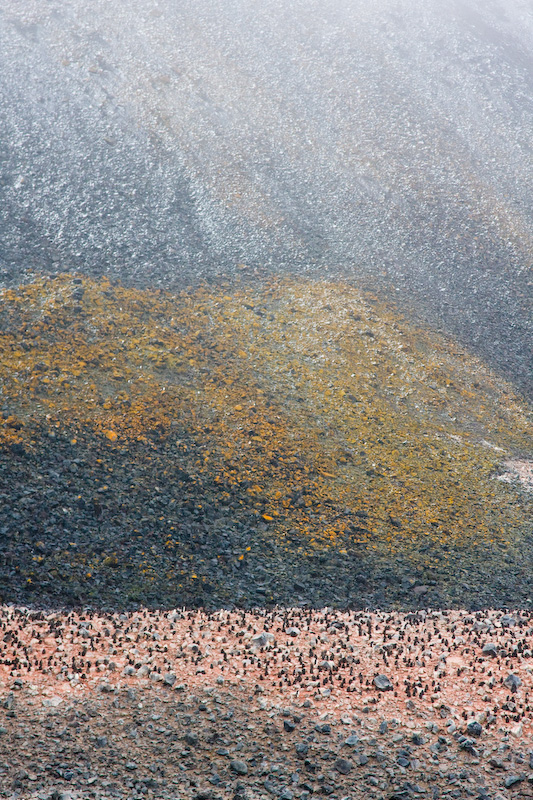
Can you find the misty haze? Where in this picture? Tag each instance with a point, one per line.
(389, 142)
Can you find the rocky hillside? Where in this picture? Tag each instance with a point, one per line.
(289, 441)
(159, 142)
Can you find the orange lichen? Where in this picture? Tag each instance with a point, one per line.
(316, 406)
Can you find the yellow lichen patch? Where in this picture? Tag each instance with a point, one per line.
(314, 405)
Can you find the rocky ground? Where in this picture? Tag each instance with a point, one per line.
(295, 443)
(283, 443)
(287, 704)
(297, 448)
(390, 144)
(67, 541)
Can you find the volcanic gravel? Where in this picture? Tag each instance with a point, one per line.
(386, 147)
(287, 703)
(55, 517)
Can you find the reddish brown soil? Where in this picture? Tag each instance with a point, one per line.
(92, 675)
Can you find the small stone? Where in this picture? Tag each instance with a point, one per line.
(293, 632)
(169, 679)
(286, 794)
(263, 639)
(466, 744)
(507, 621)
(288, 725)
(490, 649)
(512, 682)
(363, 759)
(531, 760)
(325, 729)
(352, 740)
(512, 779)
(382, 683)
(131, 766)
(343, 766)
(101, 741)
(240, 767)
(52, 702)
(302, 748)
(383, 728)
(191, 738)
(417, 739)
(474, 729)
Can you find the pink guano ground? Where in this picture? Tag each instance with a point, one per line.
(434, 660)
(521, 470)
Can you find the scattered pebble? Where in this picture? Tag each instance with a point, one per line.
(406, 685)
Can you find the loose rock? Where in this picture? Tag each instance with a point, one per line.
(343, 766)
(239, 767)
(382, 683)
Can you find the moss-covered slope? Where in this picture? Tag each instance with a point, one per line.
(296, 441)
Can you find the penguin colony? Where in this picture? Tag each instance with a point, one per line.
(479, 667)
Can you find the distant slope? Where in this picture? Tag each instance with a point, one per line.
(388, 142)
(290, 442)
